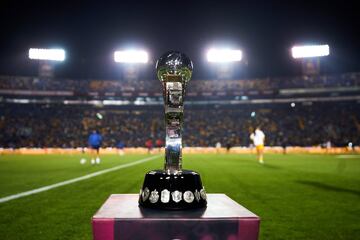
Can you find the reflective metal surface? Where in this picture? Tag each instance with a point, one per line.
(173, 188)
(174, 70)
(172, 191)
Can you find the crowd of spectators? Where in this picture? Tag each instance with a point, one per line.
(152, 85)
(69, 126)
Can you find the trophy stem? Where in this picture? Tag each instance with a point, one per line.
(174, 90)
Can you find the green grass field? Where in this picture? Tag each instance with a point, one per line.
(296, 196)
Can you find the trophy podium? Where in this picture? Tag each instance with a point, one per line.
(173, 188)
(213, 216)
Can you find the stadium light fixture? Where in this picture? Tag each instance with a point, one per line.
(99, 116)
(224, 55)
(47, 54)
(309, 51)
(131, 56)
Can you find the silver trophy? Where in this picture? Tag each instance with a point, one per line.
(173, 187)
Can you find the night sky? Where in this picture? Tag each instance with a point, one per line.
(91, 30)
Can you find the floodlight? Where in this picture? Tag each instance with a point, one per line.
(131, 56)
(99, 116)
(310, 51)
(47, 54)
(224, 55)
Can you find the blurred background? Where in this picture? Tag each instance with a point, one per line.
(290, 67)
(55, 102)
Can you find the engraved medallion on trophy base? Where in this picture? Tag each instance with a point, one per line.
(169, 191)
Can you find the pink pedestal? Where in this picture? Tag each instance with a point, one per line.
(120, 218)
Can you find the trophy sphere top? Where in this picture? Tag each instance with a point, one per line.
(176, 64)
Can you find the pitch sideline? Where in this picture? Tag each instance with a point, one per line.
(74, 180)
(348, 156)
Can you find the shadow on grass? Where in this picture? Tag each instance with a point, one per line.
(266, 165)
(328, 187)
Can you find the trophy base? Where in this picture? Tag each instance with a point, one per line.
(179, 191)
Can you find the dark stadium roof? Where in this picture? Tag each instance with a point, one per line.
(91, 30)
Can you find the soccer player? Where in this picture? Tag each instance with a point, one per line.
(95, 141)
(159, 144)
(284, 145)
(258, 138)
(228, 146)
(120, 147)
(328, 146)
(218, 147)
(149, 145)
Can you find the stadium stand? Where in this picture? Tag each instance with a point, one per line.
(36, 83)
(300, 111)
(68, 126)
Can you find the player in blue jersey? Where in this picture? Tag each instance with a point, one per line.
(120, 147)
(95, 141)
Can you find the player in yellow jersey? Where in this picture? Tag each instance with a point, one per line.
(258, 138)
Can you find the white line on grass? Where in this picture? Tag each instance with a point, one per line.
(348, 156)
(74, 180)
